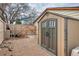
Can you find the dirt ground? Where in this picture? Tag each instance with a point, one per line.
(24, 47)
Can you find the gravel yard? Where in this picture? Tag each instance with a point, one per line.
(24, 47)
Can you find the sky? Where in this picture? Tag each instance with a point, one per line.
(42, 6)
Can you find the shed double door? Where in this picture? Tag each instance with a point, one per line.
(49, 38)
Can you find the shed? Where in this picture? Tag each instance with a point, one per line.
(58, 30)
(2, 30)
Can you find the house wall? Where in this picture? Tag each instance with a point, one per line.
(60, 32)
(73, 34)
(2, 30)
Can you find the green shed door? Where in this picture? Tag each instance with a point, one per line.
(49, 36)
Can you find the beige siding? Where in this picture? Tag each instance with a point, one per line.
(73, 34)
(60, 37)
(36, 25)
(60, 34)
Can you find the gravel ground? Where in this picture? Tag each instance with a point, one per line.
(24, 47)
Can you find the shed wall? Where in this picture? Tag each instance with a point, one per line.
(73, 34)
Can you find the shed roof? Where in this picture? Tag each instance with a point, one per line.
(70, 12)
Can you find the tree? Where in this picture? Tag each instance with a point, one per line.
(30, 17)
(13, 11)
(3, 15)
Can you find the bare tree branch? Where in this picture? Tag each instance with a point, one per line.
(13, 11)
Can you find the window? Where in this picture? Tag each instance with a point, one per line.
(44, 24)
(51, 24)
